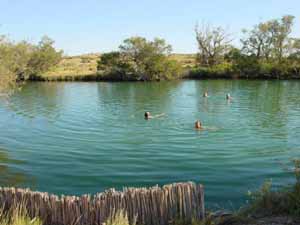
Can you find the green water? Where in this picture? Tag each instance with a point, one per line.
(74, 138)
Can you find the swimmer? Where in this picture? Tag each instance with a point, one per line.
(198, 125)
(205, 94)
(148, 115)
(228, 97)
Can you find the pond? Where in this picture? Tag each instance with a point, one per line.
(76, 138)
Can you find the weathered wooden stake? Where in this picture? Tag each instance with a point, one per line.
(149, 206)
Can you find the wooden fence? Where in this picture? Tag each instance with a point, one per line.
(149, 206)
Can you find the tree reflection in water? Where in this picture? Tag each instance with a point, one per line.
(9, 174)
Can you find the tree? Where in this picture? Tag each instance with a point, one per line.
(243, 65)
(280, 30)
(44, 57)
(7, 81)
(108, 60)
(143, 53)
(269, 39)
(295, 49)
(7, 62)
(20, 60)
(213, 44)
(258, 43)
(116, 66)
(140, 59)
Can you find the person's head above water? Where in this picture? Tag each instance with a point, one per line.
(205, 94)
(147, 115)
(198, 124)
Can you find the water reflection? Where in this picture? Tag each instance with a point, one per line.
(136, 98)
(38, 100)
(9, 174)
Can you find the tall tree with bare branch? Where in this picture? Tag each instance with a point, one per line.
(213, 44)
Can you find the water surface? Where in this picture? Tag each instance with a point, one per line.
(75, 138)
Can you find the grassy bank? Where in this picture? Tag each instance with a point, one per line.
(82, 65)
(266, 71)
(267, 206)
(84, 68)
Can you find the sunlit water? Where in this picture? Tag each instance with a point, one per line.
(74, 138)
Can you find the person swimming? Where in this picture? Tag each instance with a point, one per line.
(147, 115)
(228, 97)
(205, 94)
(198, 125)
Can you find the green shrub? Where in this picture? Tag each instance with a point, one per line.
(224, 70)
(22, 60)
(281, 202)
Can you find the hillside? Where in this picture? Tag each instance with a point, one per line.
(85, 65)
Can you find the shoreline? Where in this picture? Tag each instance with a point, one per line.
(98, 78)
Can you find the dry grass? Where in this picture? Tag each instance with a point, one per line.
(75, 66)
(186, 60)
(17, 215)
(120, 218)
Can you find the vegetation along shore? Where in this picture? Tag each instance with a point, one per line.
(267, 51)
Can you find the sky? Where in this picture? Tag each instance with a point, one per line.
(90, 26)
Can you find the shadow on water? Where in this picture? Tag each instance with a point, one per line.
(10, 175)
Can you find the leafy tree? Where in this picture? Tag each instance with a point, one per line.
(108, 60)
(114, 66)
(7, 81)
(280, 30)
(44, 57)
(270, 40)
(7, 67)
(243, 65)
(294, 49)
(258, 42)
(213, 44)
(268, 51)
(139, 59)
(20, 60)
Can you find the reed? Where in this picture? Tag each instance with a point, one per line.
(150, 206)
(17, 215)
(119, 218)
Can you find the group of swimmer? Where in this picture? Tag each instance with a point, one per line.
(228, 96)
(198, 124)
